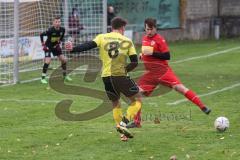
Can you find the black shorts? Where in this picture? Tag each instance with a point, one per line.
(56, 51)
(114, 85)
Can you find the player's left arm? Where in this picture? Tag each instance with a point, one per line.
(133, 58)
(162, 55)
(62, 36)
(133, 64)
(163, 50)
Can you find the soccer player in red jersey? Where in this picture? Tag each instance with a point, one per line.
(155, 55)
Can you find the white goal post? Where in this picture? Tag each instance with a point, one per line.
(21, 22)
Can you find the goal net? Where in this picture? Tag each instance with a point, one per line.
(82, 19)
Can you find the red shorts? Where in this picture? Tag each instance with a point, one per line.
(149, 81)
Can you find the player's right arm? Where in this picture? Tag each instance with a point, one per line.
(46, 33)
(81, 47)
(85, 46)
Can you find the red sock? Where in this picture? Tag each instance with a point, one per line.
(137, 119)
(194, 98)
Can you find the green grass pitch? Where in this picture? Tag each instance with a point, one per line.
(29, 128)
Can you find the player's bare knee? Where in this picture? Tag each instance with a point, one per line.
(136, 97)
(115, 103)
(141, 91)
(48, 60)
(180, 88)
(63, 60)
(139, 97)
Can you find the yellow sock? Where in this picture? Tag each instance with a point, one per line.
(133, 110)
(117, 114)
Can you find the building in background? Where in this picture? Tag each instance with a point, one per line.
(182, 19)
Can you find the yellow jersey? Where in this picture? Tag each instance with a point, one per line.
(114, 49)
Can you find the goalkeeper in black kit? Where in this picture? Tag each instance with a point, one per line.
(52, 45)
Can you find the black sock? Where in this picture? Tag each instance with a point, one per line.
(44, 71)
(64, 68)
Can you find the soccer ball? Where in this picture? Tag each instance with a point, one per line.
(221, 124)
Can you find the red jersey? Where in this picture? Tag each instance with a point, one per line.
(157, 44)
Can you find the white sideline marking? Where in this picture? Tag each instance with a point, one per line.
(205, 56)
(31, 80)
(29, 100)
(171, 103)
(174, 62)
(206, 94)
(6, 85)
(22, 82)
(34, 101)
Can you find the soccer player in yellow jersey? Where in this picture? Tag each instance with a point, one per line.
(114, 49)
